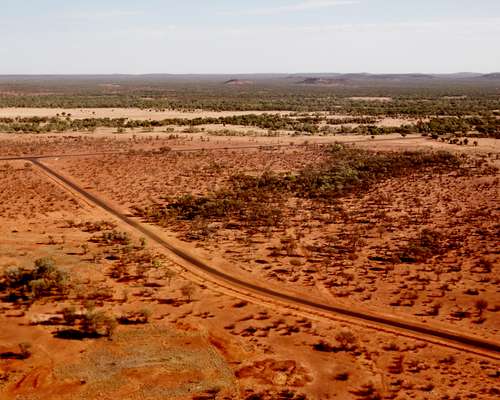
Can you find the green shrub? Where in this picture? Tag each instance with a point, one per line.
(43, 280)
(98, 323)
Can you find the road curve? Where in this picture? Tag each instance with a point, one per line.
(418, 331)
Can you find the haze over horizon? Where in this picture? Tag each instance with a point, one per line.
(237, 37)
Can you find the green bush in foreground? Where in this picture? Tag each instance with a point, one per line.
(45, 279)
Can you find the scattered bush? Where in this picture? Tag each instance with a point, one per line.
(135, 318)
(97, 323)
(89, 323)
(346, 340)
(258, 201)
(188, 290)
(42, 280)
(23, 353)
(428, 244)
(112, 237)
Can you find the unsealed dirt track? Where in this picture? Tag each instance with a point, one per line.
(438, 336)
(195, 149)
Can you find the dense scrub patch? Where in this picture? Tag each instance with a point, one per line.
(309, 124)
(258, 201)
(349, 95)
(427, 244)
(477, 126)
(486, 126)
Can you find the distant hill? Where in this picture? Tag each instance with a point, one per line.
(322, 81)
(492, 76)
(347, 79)
(356, 82)
(365, 78)
(459, 75)
(238, 82)
(247, 79)
(401, 76)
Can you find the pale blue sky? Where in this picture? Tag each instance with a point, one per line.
(238, 36)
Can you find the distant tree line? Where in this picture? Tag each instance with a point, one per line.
(486, 126)
(404, 101)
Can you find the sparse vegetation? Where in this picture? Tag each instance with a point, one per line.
(429, 243)
(408, 234)
(89, 323)
(23, 353)
(45, 279)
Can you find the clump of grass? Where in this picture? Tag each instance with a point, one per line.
(135, 318)
(112, 237)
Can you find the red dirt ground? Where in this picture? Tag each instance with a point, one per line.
(204, 341)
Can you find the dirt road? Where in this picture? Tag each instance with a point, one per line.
(275, 298)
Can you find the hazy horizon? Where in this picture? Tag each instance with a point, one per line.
(226, 74)
(53, 37)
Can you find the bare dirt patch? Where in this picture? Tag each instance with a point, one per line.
(132, 113)
(371, 98)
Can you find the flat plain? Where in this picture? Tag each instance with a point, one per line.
(253, 253)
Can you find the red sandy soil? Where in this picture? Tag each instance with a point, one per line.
(207, 342)
(106, 141)
(173, 174)
(346, 254)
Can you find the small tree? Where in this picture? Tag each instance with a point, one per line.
(188, 291)
(169, 275)
(97, 323)
(346, 339)
(43, 280)
(481, 305)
